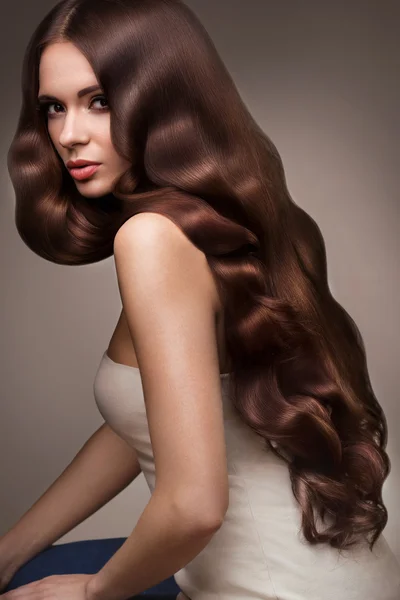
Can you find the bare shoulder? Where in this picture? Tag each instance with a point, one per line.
(169, 303)
(155, 231)
(157, 240)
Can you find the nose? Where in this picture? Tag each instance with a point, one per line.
(74, 130)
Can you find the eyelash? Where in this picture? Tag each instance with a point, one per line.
(45, 106)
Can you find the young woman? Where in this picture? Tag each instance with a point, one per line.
(237, 380)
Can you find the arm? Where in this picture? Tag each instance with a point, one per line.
(169, 303)
(103, 467)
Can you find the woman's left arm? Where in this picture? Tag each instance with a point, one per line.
(169, 301)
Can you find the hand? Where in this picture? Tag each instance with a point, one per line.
(5, 578)
(7, 572)
(55, 587)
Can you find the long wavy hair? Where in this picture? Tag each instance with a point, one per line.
(299, 372)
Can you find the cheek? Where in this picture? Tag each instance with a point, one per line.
(54, 137)
(50, 131)
(108, 150)
(60, 150)
(113, 158)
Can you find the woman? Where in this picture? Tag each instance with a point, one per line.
(234, 374)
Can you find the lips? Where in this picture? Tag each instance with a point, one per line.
(85, 172)
(80, 162)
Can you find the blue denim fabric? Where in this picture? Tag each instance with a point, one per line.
(85, 556)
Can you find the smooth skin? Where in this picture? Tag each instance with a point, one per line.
(171, 306)
(152, 256)
(168, 294)
(79, 127)
(170, 302)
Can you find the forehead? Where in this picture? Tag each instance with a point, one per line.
(62, 63)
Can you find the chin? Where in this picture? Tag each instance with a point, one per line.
(89, 190)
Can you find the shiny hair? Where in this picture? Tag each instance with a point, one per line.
(299, 375)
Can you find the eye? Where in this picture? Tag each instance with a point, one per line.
(102, 99)
(46, 106)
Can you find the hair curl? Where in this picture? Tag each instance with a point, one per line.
(299, 372)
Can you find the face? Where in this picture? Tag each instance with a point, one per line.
(78, 124)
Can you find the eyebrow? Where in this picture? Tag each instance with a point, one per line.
(80, 94)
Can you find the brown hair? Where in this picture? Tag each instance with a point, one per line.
(300, 376)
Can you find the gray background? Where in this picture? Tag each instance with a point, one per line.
(322, 80)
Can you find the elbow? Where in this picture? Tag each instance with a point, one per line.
(200, 524)
(200, 515)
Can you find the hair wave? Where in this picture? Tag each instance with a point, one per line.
(197, 156)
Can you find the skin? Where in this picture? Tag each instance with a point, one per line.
(79, 127)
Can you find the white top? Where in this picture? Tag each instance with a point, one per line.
(259, 552)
